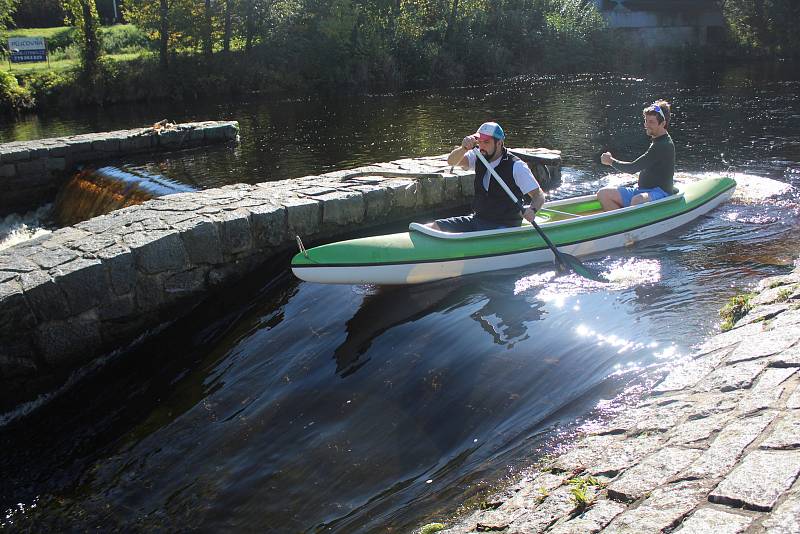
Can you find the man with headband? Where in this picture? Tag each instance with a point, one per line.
(492, 208)
(656, 167)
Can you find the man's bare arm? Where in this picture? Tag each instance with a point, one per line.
(537, 198)
(456, 157)
(537, 201)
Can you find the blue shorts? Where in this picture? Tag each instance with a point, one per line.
(468, 223)
(627, 194)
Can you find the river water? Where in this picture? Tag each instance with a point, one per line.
(285, 406)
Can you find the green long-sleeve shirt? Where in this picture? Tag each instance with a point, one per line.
(656, 167)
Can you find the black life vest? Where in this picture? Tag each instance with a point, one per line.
(495, 205)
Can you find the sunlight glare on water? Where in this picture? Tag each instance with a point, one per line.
(621, 345)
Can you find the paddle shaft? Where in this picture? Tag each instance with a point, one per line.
(519, 204)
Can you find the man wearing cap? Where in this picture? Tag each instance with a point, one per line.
(656, 167)
(492, 208)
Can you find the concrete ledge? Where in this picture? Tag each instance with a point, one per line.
(32, 171)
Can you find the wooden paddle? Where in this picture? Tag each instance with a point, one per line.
(564, 261)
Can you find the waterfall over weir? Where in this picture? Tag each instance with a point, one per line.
(93, 192)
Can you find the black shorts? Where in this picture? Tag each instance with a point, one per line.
(470, 223)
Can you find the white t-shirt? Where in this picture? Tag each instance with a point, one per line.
(522, 174)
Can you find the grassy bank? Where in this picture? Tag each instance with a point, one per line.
(56, 37)
(121, 42)
(62, 66)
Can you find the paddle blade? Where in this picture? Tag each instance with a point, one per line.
(574, 264)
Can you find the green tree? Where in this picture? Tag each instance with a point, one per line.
(7, 8)
(255, 16)
(83, 14)
(12, 96)
(187, 26)
(156, 19)
(764, 25)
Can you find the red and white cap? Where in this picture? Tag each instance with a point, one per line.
(491, 129)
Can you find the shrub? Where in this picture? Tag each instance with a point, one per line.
(123, 39)
(47, 87)
(13, 97)
(61, 39)
(70, 52)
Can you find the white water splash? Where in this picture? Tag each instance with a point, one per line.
(624, 273)
(619, 274)
(15, 228)
(749, 187)
(620, 179)
(533, 281)
(555, 289)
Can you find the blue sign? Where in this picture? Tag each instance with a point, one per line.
(27, 49)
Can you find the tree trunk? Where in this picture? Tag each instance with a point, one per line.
(207, 47)
(249, 25)
(226, 40)
(91, 43)
(449, 31)
(163, 34)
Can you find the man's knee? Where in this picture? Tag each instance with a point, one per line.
(641, 198)
(609, 197)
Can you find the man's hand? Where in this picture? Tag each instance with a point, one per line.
(530, 213)
(459, 154)
(469, 142)
(605, 158)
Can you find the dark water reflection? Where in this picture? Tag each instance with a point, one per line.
(744, 115)
(288, 406)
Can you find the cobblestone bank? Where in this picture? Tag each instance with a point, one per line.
(32, 171)
(75, 294)
(714, 449)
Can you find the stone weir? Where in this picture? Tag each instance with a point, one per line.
(82, 291)
(32, 171)
(715, 448)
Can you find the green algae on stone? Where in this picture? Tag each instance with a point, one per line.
(583, 491)
(430, 528)
(736, 308)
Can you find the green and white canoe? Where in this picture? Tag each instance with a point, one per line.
(576, 226)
